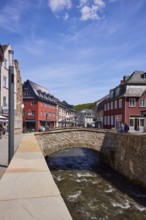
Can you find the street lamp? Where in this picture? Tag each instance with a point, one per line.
(11, 107)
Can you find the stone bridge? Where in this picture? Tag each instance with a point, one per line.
(126, 153)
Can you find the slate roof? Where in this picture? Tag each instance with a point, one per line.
(136, 78)
(37, 88)
(134, 91)
(4, 47)
(40, 92)
(1, 53)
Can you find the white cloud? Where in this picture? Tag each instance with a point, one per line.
(100, 3)
(11, 14)
(89, 9)
(83, 2)
(89, 13)
(57, 5)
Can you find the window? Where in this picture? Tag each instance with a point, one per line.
(141, 122)
(111, 105)
(132, 102)
(111, 93)
(32, 112)
(115, 104)
(141, 103)
(4, 81)
(32, 102)
(104, 107)
(5, 63)
(104, 120)
(120, 103)
(112, 120)
(4, 101)
(131, 122)
(117, 91)
(107, 106)
(108, 120)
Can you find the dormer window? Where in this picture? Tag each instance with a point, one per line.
(111, 93)
(143, 76)
(117, 91)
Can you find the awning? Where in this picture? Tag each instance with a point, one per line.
(3, 119)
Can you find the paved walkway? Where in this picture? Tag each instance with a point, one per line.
(27, 188)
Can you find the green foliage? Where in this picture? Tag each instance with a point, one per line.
(84, 106)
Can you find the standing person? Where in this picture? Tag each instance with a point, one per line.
(126, 128)
(4, 130)
(122, 127)
(1, 131)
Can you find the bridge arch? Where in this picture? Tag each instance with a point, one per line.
(58, 140)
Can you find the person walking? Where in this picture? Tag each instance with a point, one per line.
(1, 131)
(122, 127)
(126, 128)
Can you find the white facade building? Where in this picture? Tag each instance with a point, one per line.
(4, 83)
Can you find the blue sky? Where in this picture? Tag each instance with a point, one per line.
(77, 49)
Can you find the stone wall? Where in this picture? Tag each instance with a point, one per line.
(54, 141)
(126, 153)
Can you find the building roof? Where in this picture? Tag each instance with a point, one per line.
(4, 47)
(134, 91)
(136, 77)
(87, 112)
(40, 92)
(37, 88)
(1, 53)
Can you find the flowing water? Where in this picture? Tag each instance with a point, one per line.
(91, 190)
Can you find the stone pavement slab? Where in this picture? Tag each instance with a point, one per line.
(45, 208)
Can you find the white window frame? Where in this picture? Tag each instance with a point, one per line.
(120, 103)
(112, 120)
(132, 102)
(111, 104)
(141, 102)
(115, 104)
(107, 106)
(104, 120)
(4, 81)
(4, 101)
(108, 120)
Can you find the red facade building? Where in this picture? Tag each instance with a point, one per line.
(39, 107)
(126, 103)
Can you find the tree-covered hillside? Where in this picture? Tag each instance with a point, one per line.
(83, 106)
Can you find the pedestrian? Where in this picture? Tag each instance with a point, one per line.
(4, 131)
(122, 127)
(126, 128)
(1, 131)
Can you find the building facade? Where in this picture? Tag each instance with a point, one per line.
(127, 103)
(86, 118)
(19, 99)
(4, 89)
(39, 107)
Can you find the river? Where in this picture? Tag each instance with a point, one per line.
(92, 190)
